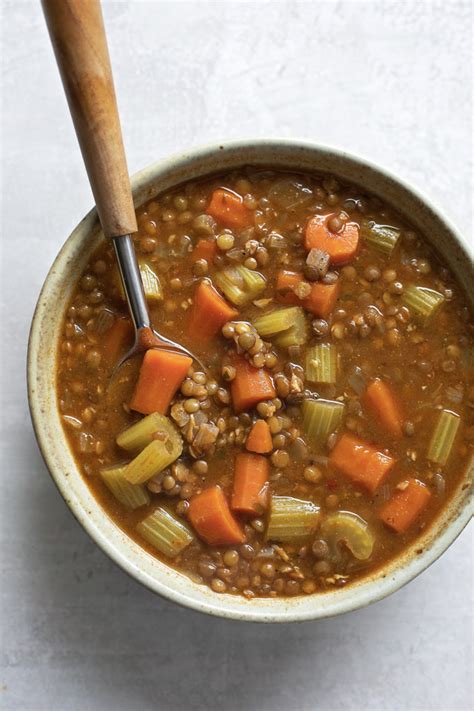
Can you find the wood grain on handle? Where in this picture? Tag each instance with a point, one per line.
(77, 33)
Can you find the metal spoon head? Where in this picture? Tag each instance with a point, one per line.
(147, 338)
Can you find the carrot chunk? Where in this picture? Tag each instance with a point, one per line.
(209, 313)
(210, 515)
(405, 506)
(341, 246)
(286, 283)
(250, 385)
(118, 339)
(322, 297)
(250, 490)
(259, 439)
(384, 405)
(228, 208)
(360, 462)
(161, 374)
(204, 249)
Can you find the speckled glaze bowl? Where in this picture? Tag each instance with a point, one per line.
(45, 332)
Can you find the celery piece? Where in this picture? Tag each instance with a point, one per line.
(382, 238)
(130, 495)
(348, 528)
(154, 426)
(291, 519)
(151, 283)
(321, 363)
(167, 533)
(321, 417)
(297, 334)
(423, 302)
(443, 436)
(277, 321)
(239, 284)
(150, 280)
(156, 456)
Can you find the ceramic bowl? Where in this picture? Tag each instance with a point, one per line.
(45, 332)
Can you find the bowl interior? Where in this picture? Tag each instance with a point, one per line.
(44, 336)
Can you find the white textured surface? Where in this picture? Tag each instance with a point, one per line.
(391, 80)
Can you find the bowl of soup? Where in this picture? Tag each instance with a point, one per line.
(318, 455)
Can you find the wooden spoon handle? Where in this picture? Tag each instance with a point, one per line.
(77, 33)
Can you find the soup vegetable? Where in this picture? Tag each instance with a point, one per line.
(333, 420)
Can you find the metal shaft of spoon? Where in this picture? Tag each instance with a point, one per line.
(131, 281)
(145, 335)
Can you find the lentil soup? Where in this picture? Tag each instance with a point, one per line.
(334, 419)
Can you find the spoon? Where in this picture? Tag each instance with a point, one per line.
(77, 33)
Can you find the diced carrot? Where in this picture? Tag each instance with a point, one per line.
(405, 506)
(341, 246)
(250, 491)
(118, 339)
(209, 313)
(384, 405)
(286, 283)
(204, 249)
(322, 297)
(228, 208)
(360, 462)
(250, 385)
(259, 438)
(210, 515)
(161, 374)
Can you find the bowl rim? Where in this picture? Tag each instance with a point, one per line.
(373, 589)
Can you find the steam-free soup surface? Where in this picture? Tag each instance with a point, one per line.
(334, 418)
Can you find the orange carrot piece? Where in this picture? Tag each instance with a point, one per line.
(321, 300)
(286, 282)
(228, 208)
(209, 313)
(384, 405)
(210, 515)
(250, 490)
(250, 385)
(405, 506)
(341, 246)
(204, 249)
(118, 339)
(360, 462)
(161, 374)
(259, 438)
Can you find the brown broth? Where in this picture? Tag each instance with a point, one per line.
(428, 366)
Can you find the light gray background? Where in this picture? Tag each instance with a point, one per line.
(391, 80)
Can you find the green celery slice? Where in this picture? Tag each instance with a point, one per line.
(443, 437)
(297, 334)
(239, 284)
(321, 363)
(321, 418)
(132, 496)
(382, 238)
(277, 321)
(423, 302)
(154, 426)
(151, 283)
(349, 528)
(291, 519)
(156, 456)
(165, 532)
